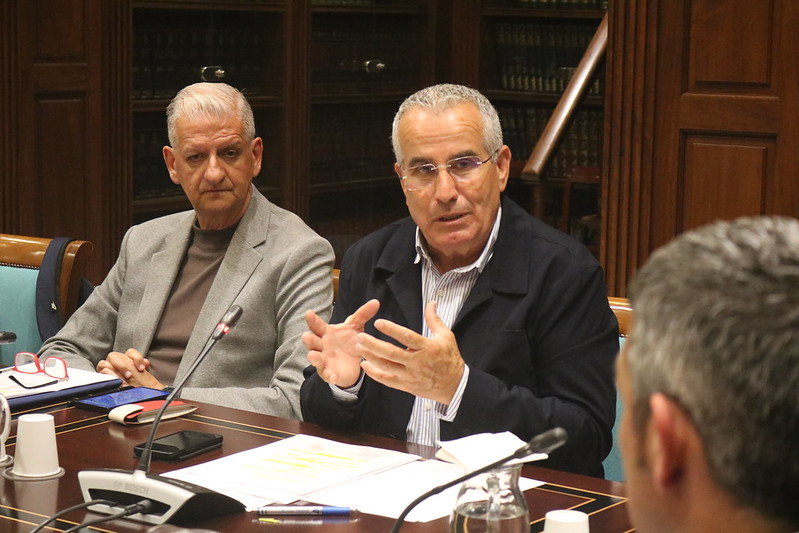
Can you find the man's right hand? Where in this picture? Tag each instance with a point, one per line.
(331, 347)
(131, 367)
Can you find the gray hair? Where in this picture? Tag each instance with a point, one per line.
(444, 96)
(202, 100)
(717, 330)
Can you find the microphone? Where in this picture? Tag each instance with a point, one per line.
(7, 337)
(542, 443)
(171, 500)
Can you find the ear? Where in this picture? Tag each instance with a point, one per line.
(169, 159)
(503, 165)
(398, 172)
(670, 431)
(257, 154)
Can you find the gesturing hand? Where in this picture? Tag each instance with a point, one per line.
(428, 367)
(331, 347)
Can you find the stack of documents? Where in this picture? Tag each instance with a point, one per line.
(313, 469)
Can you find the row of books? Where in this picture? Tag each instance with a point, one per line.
(167, 59)
(344, 147)
(580, 146)
(538, 57)
(151, 178)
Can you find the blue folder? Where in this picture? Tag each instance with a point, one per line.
(34, 400)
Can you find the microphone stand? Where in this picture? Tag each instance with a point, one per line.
(171, 500)
(542, 443)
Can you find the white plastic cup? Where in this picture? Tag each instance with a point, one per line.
(36, 452)
(566, 521)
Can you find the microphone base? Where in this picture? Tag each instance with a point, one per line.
(174, 501)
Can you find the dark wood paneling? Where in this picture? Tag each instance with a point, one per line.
(8, 102)
(59, 29)
(703, 105)
(62, 175)
(69, 135)
(723, 177)
(730, 42)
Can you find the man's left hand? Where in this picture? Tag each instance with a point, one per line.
(428, 367)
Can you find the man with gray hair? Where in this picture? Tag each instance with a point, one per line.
(487, 320)
(710, 381)
(176, 275)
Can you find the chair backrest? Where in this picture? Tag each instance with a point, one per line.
(624, 315)
(336, 274)
(20, 259)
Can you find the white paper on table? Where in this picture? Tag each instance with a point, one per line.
(289, 470)
(481, 449)
(77, 378)
(389, 492)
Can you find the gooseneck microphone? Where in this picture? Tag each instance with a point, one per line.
(171, 500)
(542, 443)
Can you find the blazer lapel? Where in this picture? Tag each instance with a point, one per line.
(403, 277)
(162, 271)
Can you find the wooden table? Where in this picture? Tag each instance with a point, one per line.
(89, 440)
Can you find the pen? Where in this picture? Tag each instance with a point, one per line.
(307, 510)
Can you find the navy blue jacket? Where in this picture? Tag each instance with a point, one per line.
(536, 331)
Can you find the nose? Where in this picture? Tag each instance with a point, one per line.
(214, 172)
(446, 188)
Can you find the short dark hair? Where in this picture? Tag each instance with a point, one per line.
(717, 330)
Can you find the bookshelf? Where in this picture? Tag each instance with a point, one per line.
(525, 52)
(324, 78)
(176, 43)
(366, 56)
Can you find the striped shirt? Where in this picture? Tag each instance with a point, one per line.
(450, 291)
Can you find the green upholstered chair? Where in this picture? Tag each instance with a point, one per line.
(20, 259)
(624, 315)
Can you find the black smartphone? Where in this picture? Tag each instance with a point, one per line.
(181, 445)
(107, 401)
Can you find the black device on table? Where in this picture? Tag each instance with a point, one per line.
(106, 401)
(181, 445)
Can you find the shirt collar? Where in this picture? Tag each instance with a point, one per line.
(479, 263)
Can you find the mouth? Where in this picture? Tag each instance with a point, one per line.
(451, 217)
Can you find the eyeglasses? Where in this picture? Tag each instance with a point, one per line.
(29, 363)
(462, 170)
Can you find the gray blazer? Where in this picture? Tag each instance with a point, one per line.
(275, 268)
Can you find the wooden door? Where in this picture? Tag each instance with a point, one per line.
(703, 120)
(65, 144)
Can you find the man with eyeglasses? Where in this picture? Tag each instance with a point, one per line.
(487, 320)
(177, 275)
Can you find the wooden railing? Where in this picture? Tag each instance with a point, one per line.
(549, 138)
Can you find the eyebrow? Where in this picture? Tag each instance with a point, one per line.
(424, 160)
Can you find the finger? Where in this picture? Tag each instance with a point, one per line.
(121, 364)
(380, 352)
(311, 341)
(364, 314)
(406, 337)
(137, 358)
(382, 375)
(315, 323)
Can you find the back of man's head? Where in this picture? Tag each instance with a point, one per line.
(716, 330)
(203, 100)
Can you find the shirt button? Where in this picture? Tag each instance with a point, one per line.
(440, 293)
(428, 405)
